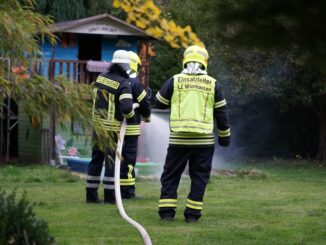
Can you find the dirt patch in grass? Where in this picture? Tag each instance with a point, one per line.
(243, 173)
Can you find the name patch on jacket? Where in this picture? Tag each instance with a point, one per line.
(196, 83)
(107, 82)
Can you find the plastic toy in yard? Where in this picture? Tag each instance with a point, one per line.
(141, 229)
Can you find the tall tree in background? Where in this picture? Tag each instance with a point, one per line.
(148, 16)
(294, 25)
(62, 10)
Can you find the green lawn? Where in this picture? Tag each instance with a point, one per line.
(287, 206)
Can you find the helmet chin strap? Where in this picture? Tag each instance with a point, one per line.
(193, 68)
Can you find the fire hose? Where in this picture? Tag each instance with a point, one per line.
(122, 212)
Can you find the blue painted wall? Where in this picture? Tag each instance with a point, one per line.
(110, 45)
(70, 52)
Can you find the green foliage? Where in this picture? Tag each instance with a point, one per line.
(20, 33)
(21, 30)
(95, 7)
(70, 142)
(19, 224)
(68, 10)
(164, 65)
(276, 24)
(62, 10)
(147, 16)
(293, 27)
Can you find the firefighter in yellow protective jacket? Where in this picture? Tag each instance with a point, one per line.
(197, 103)
(112, 102)
(143, 112)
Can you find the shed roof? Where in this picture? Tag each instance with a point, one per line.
(104, 24)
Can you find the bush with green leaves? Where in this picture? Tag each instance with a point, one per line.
(18, 223)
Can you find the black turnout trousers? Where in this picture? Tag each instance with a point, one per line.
(94, 174)
(127, 171)
(200, 164)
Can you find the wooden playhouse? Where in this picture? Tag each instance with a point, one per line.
(84, 49)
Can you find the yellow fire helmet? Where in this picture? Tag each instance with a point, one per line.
(134, 61)
(195, 53)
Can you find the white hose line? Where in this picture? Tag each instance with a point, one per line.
(142, 231)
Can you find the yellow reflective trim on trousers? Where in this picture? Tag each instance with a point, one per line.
(224, 133)
(127, 180)
(220, 103)
(161, 99)
(141, 96)
(168, 200)
(133, 129)
(191, 142)
(127, 184)
(133, 126)
(193, 207)
(190, 135)
(133, 133)
(130, 167)
(194, 202)
(167, 203)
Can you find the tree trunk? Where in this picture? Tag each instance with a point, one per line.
(322, 130)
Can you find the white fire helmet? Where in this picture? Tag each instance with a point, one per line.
(121, 58)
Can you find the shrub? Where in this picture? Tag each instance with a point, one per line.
(18, 224)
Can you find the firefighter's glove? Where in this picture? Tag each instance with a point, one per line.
(146, 119)
(224, 141)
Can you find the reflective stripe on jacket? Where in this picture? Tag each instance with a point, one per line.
(139, 96)
(112, 100)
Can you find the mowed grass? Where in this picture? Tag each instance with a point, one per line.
(282, 204)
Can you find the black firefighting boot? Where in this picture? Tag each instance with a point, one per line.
(128, 192)
(167, 214)
(191, 215)
(92, 195)
(109, 196)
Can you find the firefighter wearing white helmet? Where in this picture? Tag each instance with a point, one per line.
(197, 103)
(129, 150)
(113, 101)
